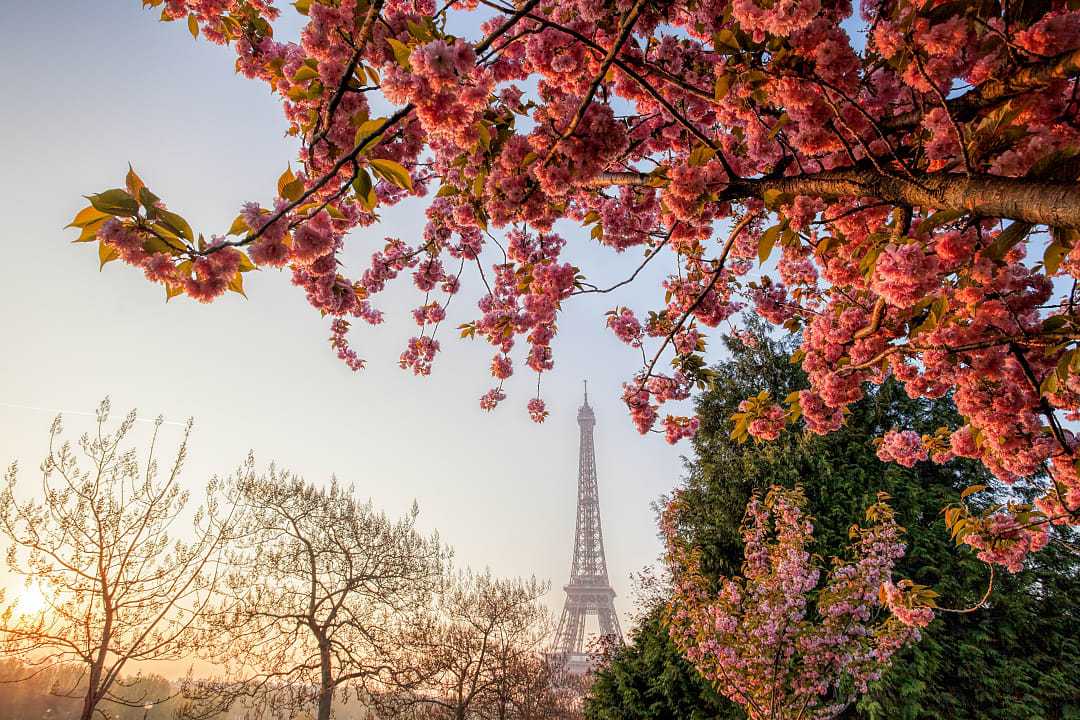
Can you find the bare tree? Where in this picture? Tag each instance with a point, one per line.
(313, 603)
(116, 588)
(482, 646)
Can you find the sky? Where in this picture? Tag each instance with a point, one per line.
(89, 87)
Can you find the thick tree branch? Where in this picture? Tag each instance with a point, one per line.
(1055, 204)
(998, 90)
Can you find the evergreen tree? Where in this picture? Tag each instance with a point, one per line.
(1018, 657)
(648, 679)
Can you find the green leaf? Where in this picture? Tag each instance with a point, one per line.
(114, 202)
(447, 191)
(392, 172)
(939, 218)
(1006, 240)
(177, 224)
(1054, 323)
(148, 200)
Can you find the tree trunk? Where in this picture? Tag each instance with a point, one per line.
(326, 690)
(88, 706)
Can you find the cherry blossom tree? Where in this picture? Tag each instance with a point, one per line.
(904, 181)
(787, 640)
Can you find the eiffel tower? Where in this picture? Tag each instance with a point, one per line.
(589, 590)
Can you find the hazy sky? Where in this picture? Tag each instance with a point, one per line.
(89, 86)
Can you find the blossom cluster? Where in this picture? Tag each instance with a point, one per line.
(761, 638)
(901, 183)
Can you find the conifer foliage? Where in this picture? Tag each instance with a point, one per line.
(1017, 656)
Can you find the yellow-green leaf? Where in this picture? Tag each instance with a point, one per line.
(286, 178)
(148, 200)
(418, 31)
(172, 291)
(106, 254)
(239, 226)
(87, 216)
(133, 182)
(365, 191)
(485, 135)
(939, 218)
(701, 155)
(723, 87)
(1049, 384)
(393, 172)
(768, 242)
(971, 490)
(726, 37)
(365, 134)
(305, 73)
(784, 120)
(236, 285)
(292, 191)
(401, 52)
(772, 198)
(89, 232)
(245, 263)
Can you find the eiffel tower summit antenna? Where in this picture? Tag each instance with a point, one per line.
(589, 591)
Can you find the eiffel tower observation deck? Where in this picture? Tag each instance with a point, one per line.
(589, 593)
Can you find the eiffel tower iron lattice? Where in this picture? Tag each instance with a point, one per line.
(589, 590)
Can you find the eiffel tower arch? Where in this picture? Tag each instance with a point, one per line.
(589, 591)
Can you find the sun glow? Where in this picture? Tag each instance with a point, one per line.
(31, 601)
